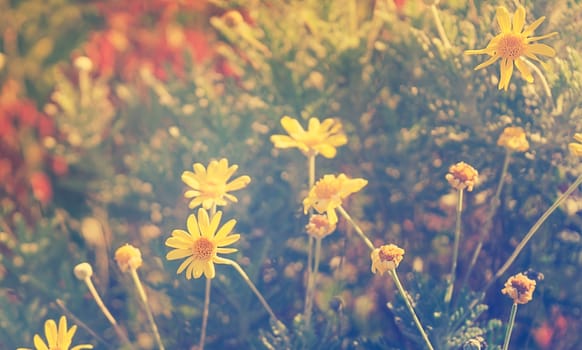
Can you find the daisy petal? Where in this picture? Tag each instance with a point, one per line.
(532, 27)
(184, 264)
(39, 343)
(226, 250)
(506, 72)
(283, 141)
(228, 240)
(503, 19)
(225, 230)
(524, 70)
(489, 62)
(192, 225)
(292, 126)
(50, 331)
(178, 254)
(542, 49)
(518, 20)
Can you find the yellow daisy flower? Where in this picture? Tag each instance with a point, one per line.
(319, 138)
(576, 148)
(210, 185)
(513, 44)
(329, 192)
(57, 337)
(201, 244)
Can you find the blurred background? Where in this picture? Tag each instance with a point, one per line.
(103, 105)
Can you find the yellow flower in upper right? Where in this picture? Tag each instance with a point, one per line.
(513, 45)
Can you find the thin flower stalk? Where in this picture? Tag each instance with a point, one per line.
(457, 239)
(495, 201)
(386, 258)
(148, 311)
(205, 313)
(252, 286)
(311, 281)
(533, 230)
(439, 25)
(520, 289)
(310, 264)
(61, 304)
(129, 259)
(206, 307)
(404, 295)
(83, 272)
(461, 176)
(510, 324)
(356, 227)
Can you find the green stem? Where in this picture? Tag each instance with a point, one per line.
(533, 230)
(489, 220)
(106, 312)
(251, 285)
(542, 77)
(510, 326)
(451, 286)
(205, 313)
(439, 25)
(207, 289)
(311, 283)
(310, 263)
(410, 308)
(149, 314)
(356, 227)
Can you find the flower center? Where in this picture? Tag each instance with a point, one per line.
(511, 46)
(202, 249)
(214, 188)
(385, 255)
(326, 190)
(520, 288)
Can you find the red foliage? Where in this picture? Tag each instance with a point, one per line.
(146, 34)
(22, 156)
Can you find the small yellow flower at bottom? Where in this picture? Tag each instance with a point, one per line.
(58, 338)
(519, 288)
(128, 257)
(202, 244)
(462, 175)
(576, 148)
(386, 258)
(514, 139)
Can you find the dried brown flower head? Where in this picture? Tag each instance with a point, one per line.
(386, 258)
(514, 139)
(462, 175)
(319, 226)
(519, 288)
